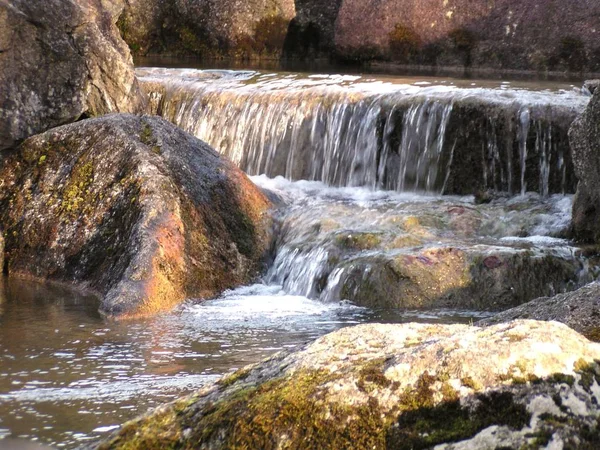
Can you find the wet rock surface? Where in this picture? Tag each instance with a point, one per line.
(585, 144)
(61, 60)
(363, 131)
(210, 29)
(395, 386)
(580, 310)
(386, 250)
(132, 208)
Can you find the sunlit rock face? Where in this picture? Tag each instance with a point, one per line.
(213, 28)
(134, 209)
(395, 386)
(534, 35)
(60, 60)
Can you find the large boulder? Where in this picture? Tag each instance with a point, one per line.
(518, 385)
(516, 34)
(585, 146)
(579, 310)
(61, 60)
(132, 208)
(213, 28)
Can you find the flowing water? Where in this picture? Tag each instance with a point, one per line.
(364, 236)
(379, 132)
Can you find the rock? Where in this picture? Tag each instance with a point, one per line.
(480, 278)
(395, 386)
(214, 28)
(584, 136)
(591, 86)
(515, 34)
(579, 310)
(61, 60)
(312, 31)
(1, 253)
(277, 135)
(444, 254)
(535, 35)
(134, 209)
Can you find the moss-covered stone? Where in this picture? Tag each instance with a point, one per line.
(134, 209)
(367, 387)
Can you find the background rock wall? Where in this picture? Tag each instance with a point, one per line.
(495, 34)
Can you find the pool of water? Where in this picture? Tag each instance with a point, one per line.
(67, 376)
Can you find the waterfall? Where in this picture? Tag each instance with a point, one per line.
(346, 131)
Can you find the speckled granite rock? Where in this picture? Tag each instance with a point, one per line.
(395, 386)
(61, 60)
(513, 34)
(213, 28)
(132, 208)
(579, 310)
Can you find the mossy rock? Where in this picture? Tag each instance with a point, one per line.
(392, 386)
(133, 209)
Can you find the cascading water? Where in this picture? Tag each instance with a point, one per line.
(346, 131)
(68, 376)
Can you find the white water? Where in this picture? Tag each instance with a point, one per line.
(382, 134)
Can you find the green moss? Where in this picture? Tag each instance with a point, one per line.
(371, 376)
(358, 241)
(238, 375)
(292, 406)
(146, 135)
(404, 43)
(471, 384)
(76, 195)
(593, 334)
(562, 379)
(450, 422)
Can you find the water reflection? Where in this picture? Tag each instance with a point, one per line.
(67, 376)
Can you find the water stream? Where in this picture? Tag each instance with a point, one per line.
(356, 168)
(437, 136)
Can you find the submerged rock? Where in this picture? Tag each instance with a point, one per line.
(61, 60)
(132, 208)
(585, 144)
(580, 310)
(398, 251)
(395, 386)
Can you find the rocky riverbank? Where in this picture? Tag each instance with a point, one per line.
(533, 35)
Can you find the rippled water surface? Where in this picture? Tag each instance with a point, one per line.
(68, 376)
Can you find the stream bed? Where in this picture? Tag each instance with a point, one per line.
(370, 238)
(67, 376)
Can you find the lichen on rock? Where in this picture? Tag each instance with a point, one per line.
(393, 386)
(134, 209)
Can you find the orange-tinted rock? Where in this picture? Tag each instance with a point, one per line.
(133, 209)
(516, 34)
